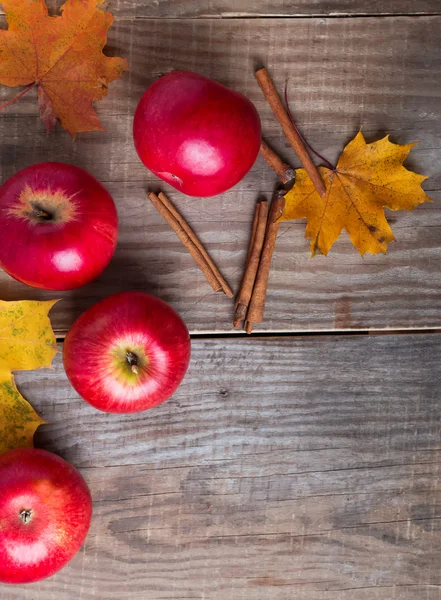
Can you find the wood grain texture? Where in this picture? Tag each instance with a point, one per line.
(379, 73)
(273, 8)
(166, 9)
(292, 468)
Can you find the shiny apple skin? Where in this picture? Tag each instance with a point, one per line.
(197, 135)
(72, 249)
(60, 508)
(96, 347)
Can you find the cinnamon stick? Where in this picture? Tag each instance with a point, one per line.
(254, 229)
(274, 100)
(257, 303)
(191, 234)
(252, 265)
(191, 242)
(250, 247)
(283, 170)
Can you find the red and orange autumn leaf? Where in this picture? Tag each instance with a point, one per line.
(62, 56)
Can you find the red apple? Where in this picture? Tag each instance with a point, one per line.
(199, 136)
(45, 513)
(59, 226)
(127, 353)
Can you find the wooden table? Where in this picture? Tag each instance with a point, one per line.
(302, 463)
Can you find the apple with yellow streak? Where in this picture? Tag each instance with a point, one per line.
(127, 353)
(59, 226)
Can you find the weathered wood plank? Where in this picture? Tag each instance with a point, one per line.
(165, 9)
(304, 468)
(273, 8)
(379, 73)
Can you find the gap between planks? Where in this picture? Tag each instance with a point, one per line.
(226, 16)
(245, 15)
(275, 334)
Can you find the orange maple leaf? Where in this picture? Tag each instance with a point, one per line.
(368, 177)
(62, 56)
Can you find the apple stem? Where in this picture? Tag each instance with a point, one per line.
(41, 214)
(25, 515)
(25, 91)
(133, 361)
(38, 212)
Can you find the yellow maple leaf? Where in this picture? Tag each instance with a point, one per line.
(26, 342)
(18, 420)
(368, 177)
(62, 55)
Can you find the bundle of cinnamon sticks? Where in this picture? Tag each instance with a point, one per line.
(250, 302)
(191, 242)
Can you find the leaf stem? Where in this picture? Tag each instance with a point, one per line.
(25, 91)
(291, 118)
